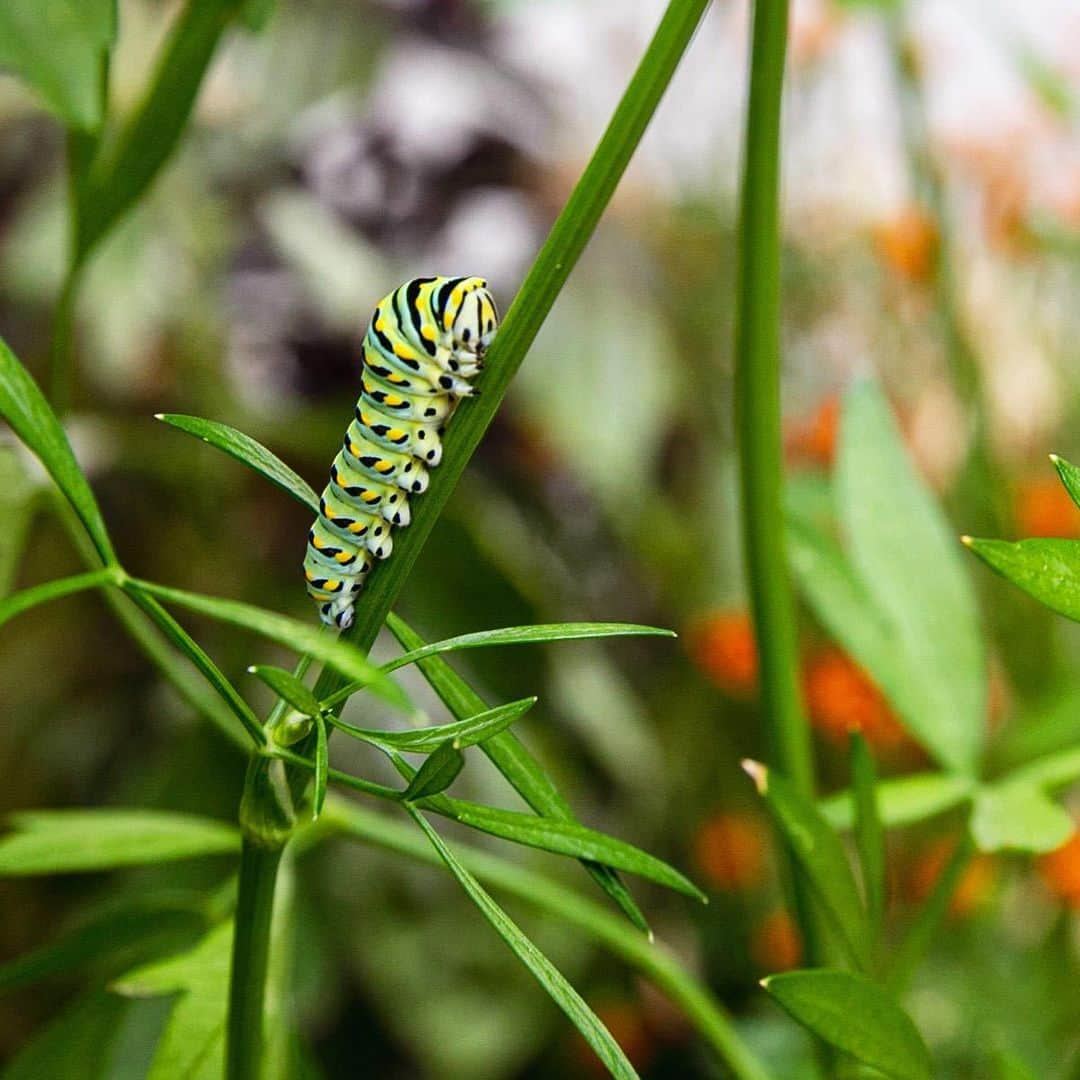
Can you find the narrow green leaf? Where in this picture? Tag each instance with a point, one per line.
(549, 977)
(287, 687)
(510, 756)
(77, 841)
(1019, 817)
(1048, 570)
(436, 774)
(903, 801)
(462, 733)
(819, 855)
(322, 767)
(856, 1016)
(24, 407)
(905, 552)
(193, 1042)
(1070, 476)
(54, 590)
(117, 181)
(566, 838)
(869, 834)
(17, 505)
(248, 452)
(301, 637)
(58, 48)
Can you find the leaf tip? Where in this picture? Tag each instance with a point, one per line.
(758, 773)
(252, 669)
(967, 541)
(159, 416)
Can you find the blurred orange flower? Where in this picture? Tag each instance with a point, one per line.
(841, 698)
(813, 441)
(730, 850)
(630, 1028)
(1060, 870)
(1043, 508)
(973, 888)
(722, 647)
(908, 244)
(775, 943)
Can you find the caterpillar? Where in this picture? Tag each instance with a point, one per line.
(424, 343)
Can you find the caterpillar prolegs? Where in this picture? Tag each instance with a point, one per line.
(426, 340)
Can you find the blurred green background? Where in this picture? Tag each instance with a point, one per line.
(932, 231)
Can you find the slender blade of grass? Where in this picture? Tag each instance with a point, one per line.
(322, 767)
(869, 834)
(54, 590)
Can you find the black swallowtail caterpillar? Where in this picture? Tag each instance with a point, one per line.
(426, 340)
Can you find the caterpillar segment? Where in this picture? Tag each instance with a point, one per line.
(425, 342)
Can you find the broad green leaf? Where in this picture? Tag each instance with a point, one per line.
(566, 838)
(510, 756)
(55, 590)
(118, 180)
(854, 1015)
(904, 551)
(1048, 570)
(869, 834)
(463, 733)
(193, 1042)
(819, 855)
(76, 1045)
(24, 407)
(549, 977)
(1010, 1066)
(287, 687)
(59, 47)
(1070, 476)
(301, 637)
(110, 941)
(903, 801)
(76, 841)
(1018, 817)
(436, 774)
(249, 452)
(507, 635)
(322, 767)
(17, 505)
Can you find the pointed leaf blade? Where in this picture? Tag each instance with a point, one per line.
(287, 687)
(1048, 570)
(322, 768)
(437, 773)
(869, 834)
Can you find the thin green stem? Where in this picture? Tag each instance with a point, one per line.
(62, 347)
(250, 957)
(653, 960)
(913, 948)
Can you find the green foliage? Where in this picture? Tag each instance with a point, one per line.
(55, 590)
(76, 841)
(855, 1015)
(1014, 816)
(60, 48)
(287, 687)
(1048, 570)
(820, 857)
(437, 773)
(249, 452)
(869, 834)
(904, 800)
(558, 989)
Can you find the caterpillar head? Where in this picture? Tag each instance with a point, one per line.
(469, 320)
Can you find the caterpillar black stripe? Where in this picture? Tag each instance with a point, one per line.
(425, 342)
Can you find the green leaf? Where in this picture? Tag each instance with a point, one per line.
(509, 755)
(287, 687)
(322, 767)
(1048, 570)
(301, 637)
(903, 801)
(869, 834)
(905, 552)
(17, 504)
(255, 14)
(436, 774)
(118, 180)
(566, 838)
(819, 855)
(1014, 816)
(549, 977)
(60, 48)
(193, 1042)
(462, 733)
(247, 451)
(24, 407)
(1070, 476)
(856, 1016)
(76, 841)
(55, 590)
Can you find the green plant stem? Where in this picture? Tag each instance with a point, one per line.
(62, 346)
(906, 959)
(653, 960)
(250, 957)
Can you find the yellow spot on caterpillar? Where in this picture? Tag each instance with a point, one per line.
(332, 586)
(394, 401)
(396, 433)
(380, 324)
(355, 450)
(384, 466)
(319, 545)
(309, 575)
(357, 529)
(342, 557)
(397, 380)
(329, 513)
(427, 332)
(369, 496)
